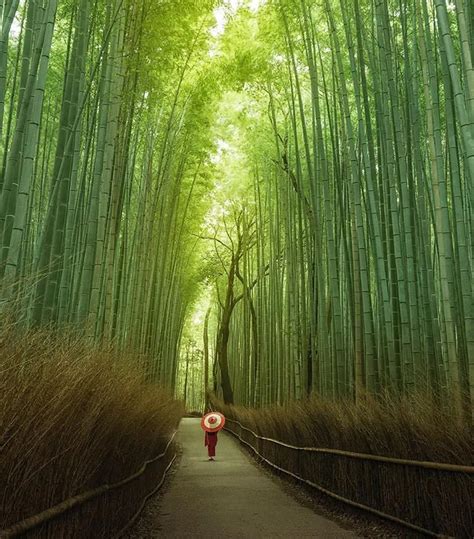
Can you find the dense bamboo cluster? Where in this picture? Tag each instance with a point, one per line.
(363, 203)
(100, 152)
(342, 262)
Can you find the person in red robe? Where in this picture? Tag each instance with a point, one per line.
(210, 440)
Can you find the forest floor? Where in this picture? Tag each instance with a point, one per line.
(231, 497)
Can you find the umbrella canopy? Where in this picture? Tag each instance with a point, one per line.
(212, 422)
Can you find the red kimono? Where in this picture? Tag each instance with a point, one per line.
(210, 439)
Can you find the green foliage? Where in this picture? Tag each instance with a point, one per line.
(331, 140)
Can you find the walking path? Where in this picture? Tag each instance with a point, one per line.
(231, 497)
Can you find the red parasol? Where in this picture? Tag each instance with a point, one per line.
(212, 422)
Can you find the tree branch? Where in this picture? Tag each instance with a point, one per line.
(209, 238)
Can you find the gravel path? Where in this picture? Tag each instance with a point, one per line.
(228, 498)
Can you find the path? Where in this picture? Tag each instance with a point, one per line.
(231, 497)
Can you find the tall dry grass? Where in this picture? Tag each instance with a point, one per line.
(71, 419)
(412, 428)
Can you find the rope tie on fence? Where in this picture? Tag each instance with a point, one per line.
(75, 501)
(366, 456)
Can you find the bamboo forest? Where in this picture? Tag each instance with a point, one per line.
(256, 208)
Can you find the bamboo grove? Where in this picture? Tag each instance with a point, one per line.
(351, 263)
(100, 148)
(305, 166)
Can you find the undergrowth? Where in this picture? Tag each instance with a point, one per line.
(71, 419)
(412, 428)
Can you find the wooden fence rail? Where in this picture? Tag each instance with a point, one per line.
(432, 466)
(51, 513)
(366, 456)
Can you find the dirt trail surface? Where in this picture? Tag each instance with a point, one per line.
(230, 497)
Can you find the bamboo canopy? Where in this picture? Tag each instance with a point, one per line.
(300, 170)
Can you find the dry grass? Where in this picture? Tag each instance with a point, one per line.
(71, 419)
(411, 428)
